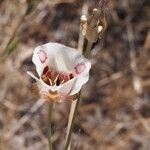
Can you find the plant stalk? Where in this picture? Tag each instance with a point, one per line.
(50, 125)
(72, 114)
(88, 49)
(74, 106)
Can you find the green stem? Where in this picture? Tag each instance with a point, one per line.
(49, 125)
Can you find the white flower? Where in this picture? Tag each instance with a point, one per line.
(62, 71)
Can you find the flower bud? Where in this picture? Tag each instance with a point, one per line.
(93, 26)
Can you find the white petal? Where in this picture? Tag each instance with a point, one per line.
(82, 78)
(41, 85)
(53, 55)
(74, 86)
(66, 88)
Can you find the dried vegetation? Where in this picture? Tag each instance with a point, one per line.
(115, 110)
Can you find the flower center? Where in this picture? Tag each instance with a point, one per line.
(52, 77)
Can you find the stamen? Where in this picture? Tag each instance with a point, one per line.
(55, 80)
(62, 82)
(45, 79)
(52, 77)
(50, 82)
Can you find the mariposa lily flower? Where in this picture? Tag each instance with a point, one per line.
(62, 71)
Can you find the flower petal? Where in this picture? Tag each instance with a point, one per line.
(66, 88)
(41, 85)
(74, 86)
(53, 55)
(82, 77)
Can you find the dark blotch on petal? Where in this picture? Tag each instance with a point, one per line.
(45, 79)
(45, 70)
(71, 76)
(48, 74)
(58, 82)
(54, 74)
(63, 77)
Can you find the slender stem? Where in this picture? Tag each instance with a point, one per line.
(73, 112)
(88, 49)
(74, 106)
(49, 125)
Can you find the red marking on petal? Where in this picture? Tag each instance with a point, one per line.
(45, 70)
(71, 76)
(63, 77)
(53, 77)
(54, 74)
(80, 68)
(49, 74)
(42, 55)
(47, 82)
(45, 79)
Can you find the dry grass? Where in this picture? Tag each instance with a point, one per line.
(115, 110)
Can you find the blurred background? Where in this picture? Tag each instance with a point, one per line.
(114, 113)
